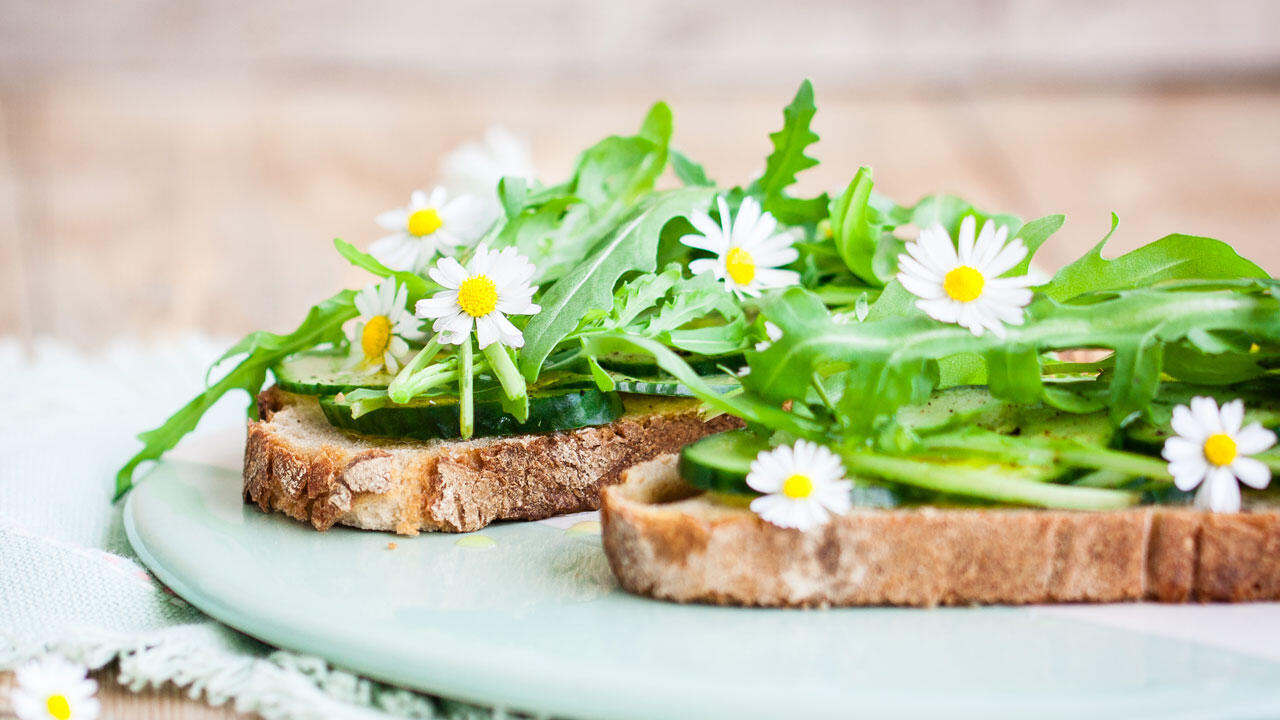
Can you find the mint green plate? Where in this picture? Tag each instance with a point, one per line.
(527, 616)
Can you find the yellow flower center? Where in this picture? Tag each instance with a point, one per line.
(58, 707)
(797, 486)
(963, 284)
(376, 337)
(740, 266)
(477, 296)
(424, 222)
(1220, 449)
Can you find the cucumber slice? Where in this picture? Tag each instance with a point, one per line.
(974, 405)
(563, 408)
(669, 386)
(720, 463)
(322, 373)
(644, 366)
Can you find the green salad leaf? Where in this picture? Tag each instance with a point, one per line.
(631, 247)
(322, 325)
(787, 160)
(1174, 257)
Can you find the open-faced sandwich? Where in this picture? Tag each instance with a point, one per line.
(456, 388)
(968, 430)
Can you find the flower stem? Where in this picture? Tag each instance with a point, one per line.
(402, 387)
(513, 385)
(466, 403)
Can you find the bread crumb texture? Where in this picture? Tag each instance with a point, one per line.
(665, 541)
(296, 463)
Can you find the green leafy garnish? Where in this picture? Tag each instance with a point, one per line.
(323, 325)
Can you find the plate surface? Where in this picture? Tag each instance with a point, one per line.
(528, 616)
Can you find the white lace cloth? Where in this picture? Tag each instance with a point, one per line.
(70, 583)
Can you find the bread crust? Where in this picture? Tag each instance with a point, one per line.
(296, 463)
(668, 541)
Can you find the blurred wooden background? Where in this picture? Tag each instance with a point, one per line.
(184, 166)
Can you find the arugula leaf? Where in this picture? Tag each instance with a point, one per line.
(641, 294)
(710, 339)
(631, 246)
(688, 171)
(1172, 257)
(1137, 324)
(553, 232)
(1033, 235)
(853, 228)
(323, 324)
(749, 409)
(787, 160)
(418, 286)
(618, 170)
(694, 297)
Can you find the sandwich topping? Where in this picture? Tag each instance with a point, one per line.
(962, 285)
(749, 249)
(428, 226)
(380, 338)
(803, 486)
(871, 367)
(1212, 451)
(494, 284)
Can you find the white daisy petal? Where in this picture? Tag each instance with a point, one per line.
(1184, 423)
(943, 309)
(1220, 492)
(1253, 473)
(1205, 411)
(486, 333)
(1177, 449)
(1254, 439)
(1188, 473)
(920, 287)
(1010, 255)
(965, 239)
(1232, 415)
(393, 219)
(449, 273)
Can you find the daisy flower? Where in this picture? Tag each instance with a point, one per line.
(379, 339)
(803, 485)
(963, 286)
(476, 167)
(53, 689)
(493, 285)
(429, 225)
(1211, 450)
(749, 250)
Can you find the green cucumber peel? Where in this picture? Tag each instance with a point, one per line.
(979, 482)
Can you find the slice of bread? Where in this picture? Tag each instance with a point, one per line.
(296, 463)
(670, 541)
